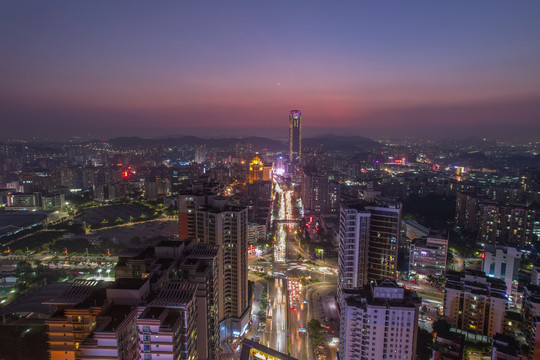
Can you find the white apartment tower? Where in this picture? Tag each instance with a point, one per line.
(352, 251)
(379, 321)
(502, 262)
(368, 242)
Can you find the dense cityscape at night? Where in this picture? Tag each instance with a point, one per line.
(270, 180)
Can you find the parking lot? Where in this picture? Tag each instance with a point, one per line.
(143, 231)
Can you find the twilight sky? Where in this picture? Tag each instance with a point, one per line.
(213, 68)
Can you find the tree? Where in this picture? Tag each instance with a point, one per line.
(316, 332)
(441, 326)
(424, 345)
(262, 316)
(450, 260)
(25, 275)
(263, 242)
(263, 303)
(438, 281)
(23, 268)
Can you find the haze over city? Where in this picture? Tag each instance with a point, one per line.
(430, 69)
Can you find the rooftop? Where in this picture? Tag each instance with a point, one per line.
(204, 251)
(127, 284)
(79, 291)
(382, 293)
(132, 252)
(152, 313)
(170, 243)
(111, 318)
(175, 293)
(476, 282)
(505, 344)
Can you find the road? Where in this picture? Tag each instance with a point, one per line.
(432, 301)
(292, 304)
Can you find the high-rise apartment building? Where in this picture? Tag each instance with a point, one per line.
(497, 223)
(319, 195)
(200, 267)
(226, 226)
(77, 309)
(475, 303)
(507, 225)
(503, 263)
(295, 136)
(368, 242)
(164, 307)
(379, 321)
(316, 159)
(115, 336)
(384, 231)
(188, 260)
(167, 325)
(531, 320)
(352, 250)
(188, 202)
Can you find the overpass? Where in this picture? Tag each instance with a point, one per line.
(285, 221)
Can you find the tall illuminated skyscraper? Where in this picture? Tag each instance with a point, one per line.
(295, 136)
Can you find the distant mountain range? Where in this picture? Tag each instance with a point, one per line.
(329, 142)
(259, 143)
(332, 142)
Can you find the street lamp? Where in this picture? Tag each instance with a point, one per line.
(108, 271)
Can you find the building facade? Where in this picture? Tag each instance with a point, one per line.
(475, 303)
(531, 320)
(319, 195)
(503, 263)
(428, 255)
(167, 325)
(115, 336)
(379, 321)
(75, 318)
(368, 242)
(352, 249)
(200, 267)
(226, 226)
(384, 231)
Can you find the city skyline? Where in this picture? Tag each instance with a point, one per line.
(132, 69)
(295, 180)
